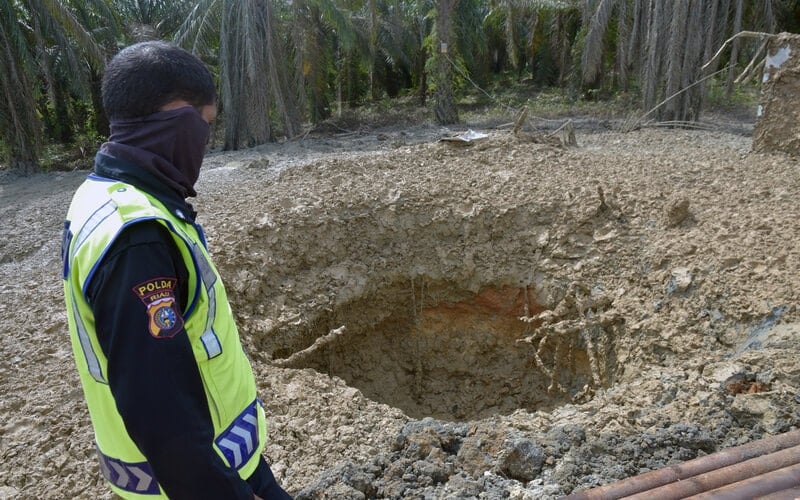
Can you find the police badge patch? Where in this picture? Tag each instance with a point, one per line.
(158, 295)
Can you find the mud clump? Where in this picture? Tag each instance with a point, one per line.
(434, 459)
(776, 128)
(438, 459)
(676, 212)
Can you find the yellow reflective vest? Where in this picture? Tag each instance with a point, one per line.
(100, 210)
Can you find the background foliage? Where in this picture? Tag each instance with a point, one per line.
(284, 65)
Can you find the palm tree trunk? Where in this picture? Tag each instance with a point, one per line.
(511, 35)
(638, 35)
(253, 75)
(651, 69)
(282, 94)
(677, 44)
(530, 46)
(99, 119)
(445, 108)
(422, 76)
(623, 36)
(21, 126)
(373, 48)
(737, 27)
(230, 82)
(692, 102)
(769, 17)
(421, 58)
(592, 57)
(711, 33)
(563, 48)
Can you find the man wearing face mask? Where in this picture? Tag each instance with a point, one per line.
(170, 391)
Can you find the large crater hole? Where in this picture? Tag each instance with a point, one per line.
(432, 349)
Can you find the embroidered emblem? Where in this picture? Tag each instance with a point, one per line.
(159, 297)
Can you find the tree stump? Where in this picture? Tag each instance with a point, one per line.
(777, 127)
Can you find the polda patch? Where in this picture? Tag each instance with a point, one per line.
(158, 295)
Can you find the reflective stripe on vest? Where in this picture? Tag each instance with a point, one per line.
(94, 221)
(86, 345)
(209, 278)
(240, 440)
(136, 478)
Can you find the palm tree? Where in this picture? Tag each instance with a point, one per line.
(533, 37)
(152, 19)
(419, 17)
(666, 44)
(395, 32)
(735, 46)
(329, 50)
(594, 45)
(252, 75)
(253, 67)
(42, 41)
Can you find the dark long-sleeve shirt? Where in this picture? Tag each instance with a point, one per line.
(155, 380)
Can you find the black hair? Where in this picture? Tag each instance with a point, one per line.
(145, 76)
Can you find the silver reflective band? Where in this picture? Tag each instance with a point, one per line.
(134, 477)
(86, 345)
(209, 278)
(93, 222)
(87, 229)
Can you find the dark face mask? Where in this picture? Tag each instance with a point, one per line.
(168, 144)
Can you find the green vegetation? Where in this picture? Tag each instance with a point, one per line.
(282, 64)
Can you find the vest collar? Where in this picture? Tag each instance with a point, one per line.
(113, 168)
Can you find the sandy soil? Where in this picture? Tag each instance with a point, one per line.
(507, 319)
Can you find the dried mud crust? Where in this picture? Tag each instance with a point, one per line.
(655, 272)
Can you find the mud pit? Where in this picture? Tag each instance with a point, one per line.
(432, 350)
(507, 320)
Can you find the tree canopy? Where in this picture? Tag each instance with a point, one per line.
(281, 64)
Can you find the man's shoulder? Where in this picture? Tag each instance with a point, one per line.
(146, 231)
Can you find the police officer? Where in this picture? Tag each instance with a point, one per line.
(170, 391)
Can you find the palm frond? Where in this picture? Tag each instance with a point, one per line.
(200, 30)
(19, 122)
(592, 57)
(65, 26)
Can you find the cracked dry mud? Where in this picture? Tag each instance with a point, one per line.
(510, 319)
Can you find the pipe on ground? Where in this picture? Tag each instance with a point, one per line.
(724, 476)
(691, 468)
(776, 482)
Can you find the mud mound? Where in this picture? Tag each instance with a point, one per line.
(507, 319)
(465, 283)
(777, 126)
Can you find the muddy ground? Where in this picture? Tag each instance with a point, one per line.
(506, 319)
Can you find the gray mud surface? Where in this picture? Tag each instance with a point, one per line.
(505, 319)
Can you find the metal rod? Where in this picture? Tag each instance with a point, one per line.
(772, 482)
(726, 475)
(656, 478)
